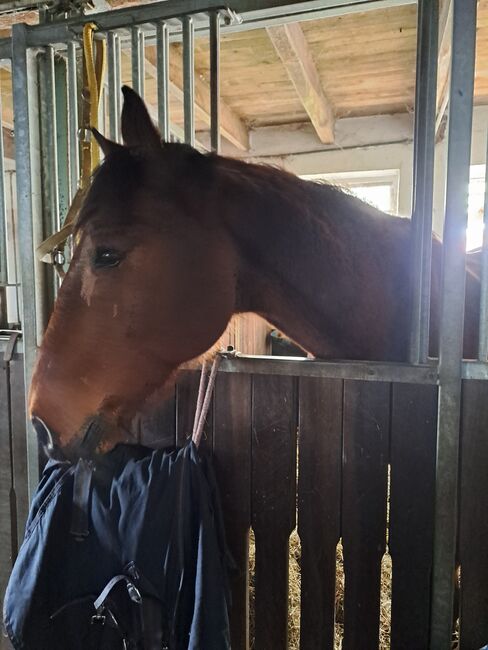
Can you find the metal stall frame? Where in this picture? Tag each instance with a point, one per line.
(450, 369)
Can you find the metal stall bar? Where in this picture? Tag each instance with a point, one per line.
(162, 57)
(452, 316)
(74, 149)
(423, 183)
(3, 212)
(62, 135)
(138, 60)
(215, 81)
(23, 66)
(113, 56)
(118, 81)
(49, 145)
(50, 185)
(255, 14)
(483, 322)
(188, 79)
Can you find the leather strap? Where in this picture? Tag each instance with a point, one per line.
(81, 499)
(132, 590)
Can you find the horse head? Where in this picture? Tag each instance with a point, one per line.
(150, 286)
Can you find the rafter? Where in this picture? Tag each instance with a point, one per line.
(232, 127)
(443, 61)
(292, 48)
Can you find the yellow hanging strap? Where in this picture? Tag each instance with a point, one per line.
(94, 59)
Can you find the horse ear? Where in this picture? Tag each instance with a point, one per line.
(107, 146)
(138, 129)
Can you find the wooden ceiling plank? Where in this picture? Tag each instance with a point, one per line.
(292, 48)
(232, 127)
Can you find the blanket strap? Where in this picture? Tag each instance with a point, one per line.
(204, 398)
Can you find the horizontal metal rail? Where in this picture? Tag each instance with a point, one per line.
(254, 14)
(301, 367)
(3, 214)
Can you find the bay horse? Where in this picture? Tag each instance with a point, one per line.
(171, 243)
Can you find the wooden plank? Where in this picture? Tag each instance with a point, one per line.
(412, 498)
(473, 543)
(365, 470)
(186, 402)
(158, 424)
(319, 506)
(274, 427)
(232, 461)
(292, 48)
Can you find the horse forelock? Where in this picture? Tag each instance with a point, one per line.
(167, 172)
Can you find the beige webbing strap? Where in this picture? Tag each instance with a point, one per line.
(50, 246)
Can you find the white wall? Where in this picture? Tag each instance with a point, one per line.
(385, 157)
(396, 154)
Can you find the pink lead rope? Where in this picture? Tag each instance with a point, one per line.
(204, 397)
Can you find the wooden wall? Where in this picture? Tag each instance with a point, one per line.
(322, 454)
(347, 461)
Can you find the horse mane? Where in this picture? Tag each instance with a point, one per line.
(268, 189)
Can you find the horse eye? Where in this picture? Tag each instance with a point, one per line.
(106, 258)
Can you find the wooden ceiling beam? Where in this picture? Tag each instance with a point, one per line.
(443, 61)
(291, 46)
(232, 127)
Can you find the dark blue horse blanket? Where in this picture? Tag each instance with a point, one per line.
(153, 533)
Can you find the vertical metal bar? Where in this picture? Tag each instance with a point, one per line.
(118, 84)
(48, 113)
(62, 137)
(50, 216)
(113, 48)
(138, 60)
(424, 152)
(483, 322)
(3, 211)
(21, 66)
(74, 149)
(188, 79)
(215, 81)
(162, 44)
(452, 316)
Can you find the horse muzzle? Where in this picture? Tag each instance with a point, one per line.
(83, 445)
(46, 439)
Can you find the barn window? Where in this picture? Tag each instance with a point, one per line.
(377, 187)
(474, 233)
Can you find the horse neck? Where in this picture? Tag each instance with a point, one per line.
(302, 265)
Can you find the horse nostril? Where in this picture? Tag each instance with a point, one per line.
(43, 433)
